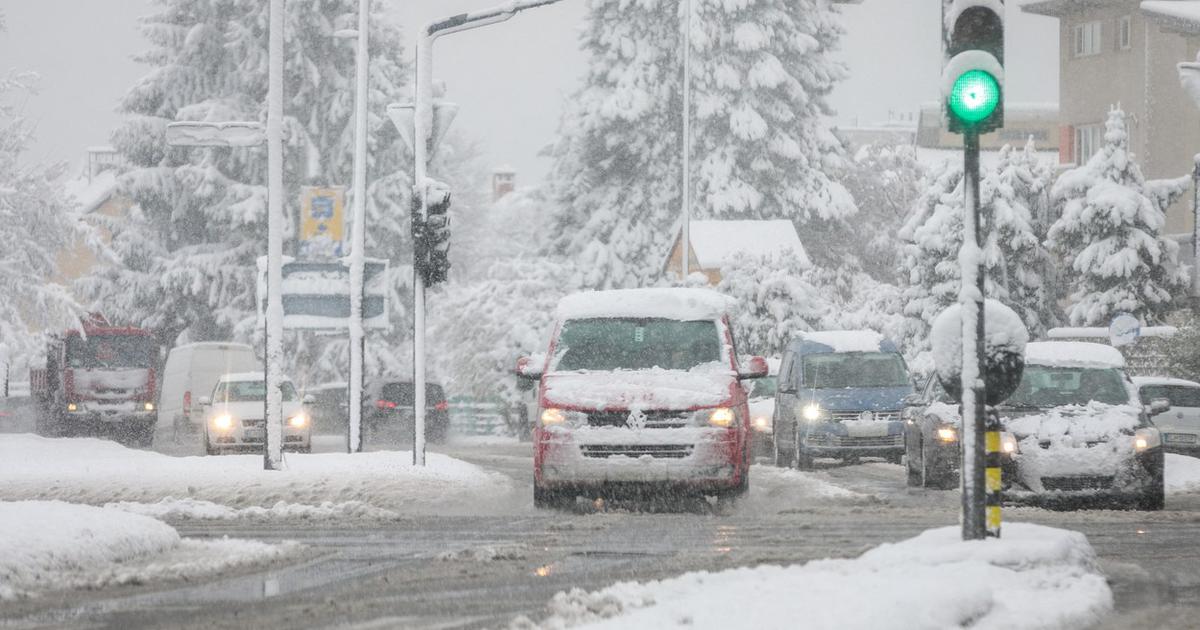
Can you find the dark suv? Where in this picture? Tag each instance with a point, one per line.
(388, 412)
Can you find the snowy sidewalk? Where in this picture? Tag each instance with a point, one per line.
(375, 485)
(1033, 577)
(47, 545)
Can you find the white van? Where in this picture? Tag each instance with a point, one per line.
(191, 372)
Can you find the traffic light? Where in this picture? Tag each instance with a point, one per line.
(431, 233)
(973, 75)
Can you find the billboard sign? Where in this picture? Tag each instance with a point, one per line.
(316, 294)
(322, 222)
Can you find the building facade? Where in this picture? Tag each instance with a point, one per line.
(1124, 53)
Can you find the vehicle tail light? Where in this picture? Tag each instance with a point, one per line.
(187, 404)
(385, 404)
(442, 406)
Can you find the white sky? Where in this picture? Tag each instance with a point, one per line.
(508, 79)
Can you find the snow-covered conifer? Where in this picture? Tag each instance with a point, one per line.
(185, 254)
(36, 226)
(761, 146)
(885, 180)
(1109, 235)
(775, 298)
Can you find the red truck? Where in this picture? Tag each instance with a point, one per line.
(98, 381)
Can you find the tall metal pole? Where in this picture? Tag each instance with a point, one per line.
(273, 453)
(974, 397)
(1196, 226)
(358, 232)
(685, 237)
(422, 130)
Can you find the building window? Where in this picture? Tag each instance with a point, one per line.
(1088, 139)
(1087, 38)
(1125, 32)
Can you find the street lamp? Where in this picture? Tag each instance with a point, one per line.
(358, 227)
(1189, 78)
(423, 127)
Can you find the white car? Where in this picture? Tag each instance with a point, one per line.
(1180, 425)
(191, 372)
(762, 410)
(235, 418)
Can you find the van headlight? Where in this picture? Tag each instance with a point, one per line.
(812, 412)
(223, 422)
(297, 421)
(1146, 439)
(555, 417)
(762, 424)
(721, 417)
(947, 434)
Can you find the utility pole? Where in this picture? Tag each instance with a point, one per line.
(423, 127)
(686, 236)
(273, 453)
(358, 232)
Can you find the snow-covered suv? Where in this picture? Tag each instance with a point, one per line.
(641, 391)
(1074, 431)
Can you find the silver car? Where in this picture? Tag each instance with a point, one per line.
(1180, 425)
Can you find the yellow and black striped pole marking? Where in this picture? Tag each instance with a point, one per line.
(991, 462)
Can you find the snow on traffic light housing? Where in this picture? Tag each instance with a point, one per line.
(973, 76)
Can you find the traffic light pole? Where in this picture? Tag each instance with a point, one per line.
(422, 153)
(974, 522)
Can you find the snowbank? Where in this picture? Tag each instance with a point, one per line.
(98, 472)
(199, 510)
(1182, 474)
(54, 545)
(1033, 577)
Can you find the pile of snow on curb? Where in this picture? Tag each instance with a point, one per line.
(86, 470)
(54, 545)
(171, 508)
(1033, 577)
(1181, 474)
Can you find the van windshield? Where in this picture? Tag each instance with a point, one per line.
(854, 369)
(636, 344)
(249, 391)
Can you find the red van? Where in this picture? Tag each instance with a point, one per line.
(641, 391)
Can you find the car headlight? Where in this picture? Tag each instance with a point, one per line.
(554, 417)
(1147, 438)
(1008, 444)
(812, 412)
(721, 417)
(947, 434)
(762, 424)
(72, 407)
(148, 406)
(223, 422)
(297, 421)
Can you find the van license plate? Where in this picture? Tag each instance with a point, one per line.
(1181, 438)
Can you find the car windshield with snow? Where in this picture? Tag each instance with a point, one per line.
(235, 419)
(840, 395)
(641, 394)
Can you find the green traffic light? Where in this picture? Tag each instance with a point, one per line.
(974, 97)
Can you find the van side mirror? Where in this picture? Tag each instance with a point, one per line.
(1159, 405)
(756, 367)
(530, 368)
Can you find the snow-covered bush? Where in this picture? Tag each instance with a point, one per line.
(1109, 235)
(885, 180)
(761, 145)
(775, 301)
(36, 225)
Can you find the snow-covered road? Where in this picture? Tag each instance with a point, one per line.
(489, 562)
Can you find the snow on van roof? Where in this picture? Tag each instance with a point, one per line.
(1073, 354)
(215, 344)
(670, 303)
(846, 340)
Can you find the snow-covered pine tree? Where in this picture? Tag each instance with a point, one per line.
(775, 298)
(885, 180)
(185, 255)
(36, 225)
(761, 147)
(1109, 235)
(1013, 196)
